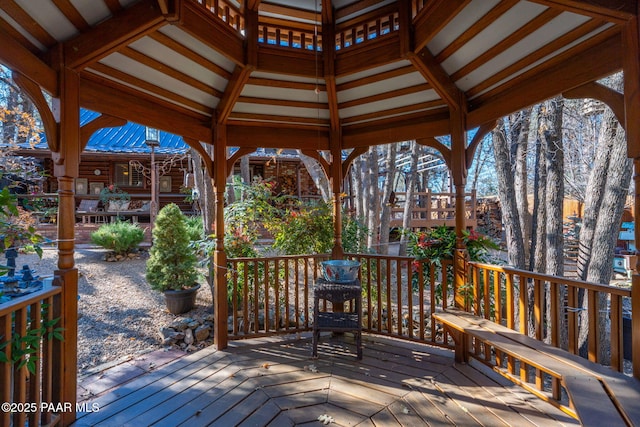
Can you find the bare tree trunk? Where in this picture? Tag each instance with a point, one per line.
(408, 204)
(510, 215)
(555, 187)
(317, 175)
(357, 184)
(519, 130)
(385, 214)
(245, 171)
(538, 241)
(372, 202)
(606, 233)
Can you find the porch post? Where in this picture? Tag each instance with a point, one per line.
(335, 143)
(459, 171)
(66, 166)
(631, 63)
(220, 338)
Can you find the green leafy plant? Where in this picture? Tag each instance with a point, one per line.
(172, 263)
(25, 349)
(113, 193)
(121, 237)
(17, 227)
(195, 228)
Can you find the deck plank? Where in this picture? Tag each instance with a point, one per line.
(276, 382)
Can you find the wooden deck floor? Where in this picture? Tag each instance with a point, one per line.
(275, 382)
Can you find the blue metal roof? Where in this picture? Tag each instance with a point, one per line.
(129, 138)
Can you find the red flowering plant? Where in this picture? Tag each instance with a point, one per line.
(439, 243)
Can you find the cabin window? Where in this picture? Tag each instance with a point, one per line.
(127, 176)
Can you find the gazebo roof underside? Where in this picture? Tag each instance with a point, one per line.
(378, 71)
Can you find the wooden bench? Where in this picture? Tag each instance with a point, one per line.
(597, 395)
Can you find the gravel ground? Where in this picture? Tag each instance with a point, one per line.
(119, 314)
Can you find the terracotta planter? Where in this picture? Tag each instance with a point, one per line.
(179, 302)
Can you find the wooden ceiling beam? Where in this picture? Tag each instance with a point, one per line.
(329, 54)
(114, 6)
(190, 54)
(232, 93)
(18, 14)
(284, 84)
(489, 18)
(71, 13)
(158, 91)
(570, 70)
(169, 71)
(131, 24)
(532, 58)
(618, 11)
(438, 78)
(398, 72)
(386, 95)
(517, 36)
(109, 98)
(273, 137)
(252, 4)
(396, 113)
(433, 18)
(18, 58)
(368, 55)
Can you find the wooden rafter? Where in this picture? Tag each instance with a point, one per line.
(282, 103)
(489, 18)
(46, 115)
(619, 11)
(131, 24)
(190, 54)
(169, 71)
(402, 71)
(110, 98)
(570, 70)
(252, 4)
(438, 78)
(283, 84)
(162, 92)
(100, 122)
(18, 14)
(415, 110)
(21, 60)
(11, 32)
(489, 54)
(232, 93)
(259, 120)
(72, 14)
(272, 137)
(386, 95)
(114, 6)
(533, 57)
(433, 18)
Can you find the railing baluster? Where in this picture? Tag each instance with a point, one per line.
(594, 321)
(409, 296)
(399, 297)
(617, 346)
(6, 369)
(572, 318)
(35, 378)
(20, 374)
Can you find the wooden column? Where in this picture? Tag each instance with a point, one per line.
(220, 309)
(335, 142)
(66, 165)
(631, 62)
(459, 172)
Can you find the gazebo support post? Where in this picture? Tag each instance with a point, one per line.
(66, 169)
(631, 63)
(220, 338)
(335, 143)
(459, 170)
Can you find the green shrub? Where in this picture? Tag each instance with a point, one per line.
(195, 228)
(172, 263)
(120, 236)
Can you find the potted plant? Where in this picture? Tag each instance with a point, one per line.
(113, 198)
(172, 264)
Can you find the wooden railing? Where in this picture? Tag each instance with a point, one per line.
(384, 22)
(432, 209)
(31, 392)
(297, 38)
(548, 308)
(226, 12)
(274, 296)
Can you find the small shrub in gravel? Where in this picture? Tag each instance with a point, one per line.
(120, 237)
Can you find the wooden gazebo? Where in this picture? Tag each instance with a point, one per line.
(312, 75)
